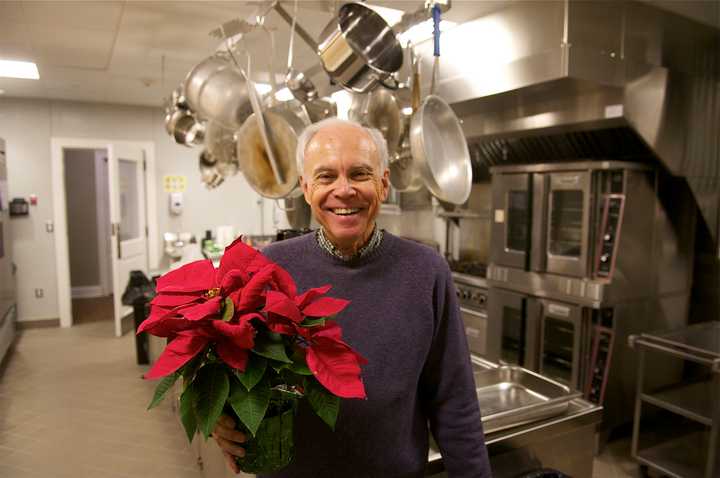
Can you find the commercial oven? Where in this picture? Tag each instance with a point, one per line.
(582, 255)
(561, 219)
(547, 336)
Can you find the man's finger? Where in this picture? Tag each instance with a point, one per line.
(229, 434)
(226, 421)
(230, 460)
(230, 447)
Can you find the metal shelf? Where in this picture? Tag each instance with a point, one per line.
(693, 401)
(696, 454)
(682, 457)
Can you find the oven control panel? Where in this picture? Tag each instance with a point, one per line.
(610, 235)
(471, 296)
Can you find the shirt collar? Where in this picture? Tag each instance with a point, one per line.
(370, 246)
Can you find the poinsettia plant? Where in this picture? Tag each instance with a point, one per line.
(246, 344)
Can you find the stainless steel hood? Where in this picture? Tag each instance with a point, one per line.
(579, 79)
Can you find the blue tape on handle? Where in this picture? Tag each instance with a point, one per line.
(436, 28)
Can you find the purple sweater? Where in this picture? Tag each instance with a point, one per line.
(404, 318)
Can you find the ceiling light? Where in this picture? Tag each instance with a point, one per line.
(407, 111)
(19, 69)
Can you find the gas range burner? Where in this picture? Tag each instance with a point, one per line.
(472, 268)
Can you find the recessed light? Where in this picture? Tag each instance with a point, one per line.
(26, 70)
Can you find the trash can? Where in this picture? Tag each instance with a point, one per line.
(139, 292)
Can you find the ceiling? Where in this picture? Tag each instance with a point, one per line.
(137, 52)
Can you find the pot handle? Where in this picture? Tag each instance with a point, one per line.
(436, 29)
(390, 86)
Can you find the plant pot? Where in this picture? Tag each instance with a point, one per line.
(272, 448)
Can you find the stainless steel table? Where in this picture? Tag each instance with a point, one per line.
(682, 455)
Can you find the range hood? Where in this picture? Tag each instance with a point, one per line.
(577, 79)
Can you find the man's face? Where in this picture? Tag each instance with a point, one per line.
(343, 183)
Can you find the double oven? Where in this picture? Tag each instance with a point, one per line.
(577, 256)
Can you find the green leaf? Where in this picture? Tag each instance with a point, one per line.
(279, 367)
(165, 384)
(188, 400)
(189, 370)
(271, 345)
(299, 365)
(325, 404)
(313, 322)
(228, 310)
(253, 371)
(250, 406)
(300, 368)
(213, 388)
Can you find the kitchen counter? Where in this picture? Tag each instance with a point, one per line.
(565, 442)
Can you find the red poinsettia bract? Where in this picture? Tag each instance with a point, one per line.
(191, 299)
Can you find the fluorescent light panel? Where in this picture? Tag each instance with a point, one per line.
(26, 70)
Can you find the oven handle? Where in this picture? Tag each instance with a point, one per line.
(465, 310)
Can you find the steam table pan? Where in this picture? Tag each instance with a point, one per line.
(510, 396)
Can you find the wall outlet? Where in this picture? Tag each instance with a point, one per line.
(39, 293)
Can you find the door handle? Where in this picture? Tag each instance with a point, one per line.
(115, 231)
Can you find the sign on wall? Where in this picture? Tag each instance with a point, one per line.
(174, 184)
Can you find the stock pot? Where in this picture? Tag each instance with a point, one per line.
(358, 49)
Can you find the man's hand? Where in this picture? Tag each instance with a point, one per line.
(228, 439)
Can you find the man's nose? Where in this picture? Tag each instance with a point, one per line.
(345, 187)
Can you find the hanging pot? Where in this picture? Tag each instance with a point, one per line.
(284, 126)
(184, 127)
(404, 173)
(358, 49)
(216, 89)
(438, 143)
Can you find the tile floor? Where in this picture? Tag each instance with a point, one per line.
(72, 404)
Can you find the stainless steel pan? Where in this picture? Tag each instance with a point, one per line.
(358, 49)
(286, 126)
(438, 143)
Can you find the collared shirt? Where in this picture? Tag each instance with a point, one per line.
(372, 244)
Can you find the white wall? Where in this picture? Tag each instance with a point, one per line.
(27, 125)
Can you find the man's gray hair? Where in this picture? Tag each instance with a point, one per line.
(308, 133)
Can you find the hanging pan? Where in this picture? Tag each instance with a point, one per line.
(438, 143)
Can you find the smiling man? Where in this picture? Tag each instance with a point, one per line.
(403, 317)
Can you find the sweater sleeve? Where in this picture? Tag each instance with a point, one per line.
(447, 389)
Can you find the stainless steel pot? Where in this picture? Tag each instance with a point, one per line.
(379, 109)
(358, 49)
(284, 127)
(216, 89)
(184, 127)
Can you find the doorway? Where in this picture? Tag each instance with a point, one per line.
(88, 227)
(129, 174)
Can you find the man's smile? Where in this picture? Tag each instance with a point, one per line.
(344, 211)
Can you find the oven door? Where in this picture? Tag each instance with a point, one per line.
(475, 330)
(561, 342)
(512, 209)
(513, 328)
(568, 223)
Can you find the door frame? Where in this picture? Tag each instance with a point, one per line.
(62, 254)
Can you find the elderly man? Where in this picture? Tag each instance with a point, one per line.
(403, 318)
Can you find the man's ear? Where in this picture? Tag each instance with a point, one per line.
(385, 179)
(305, 189)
